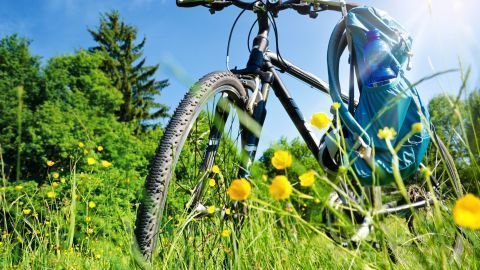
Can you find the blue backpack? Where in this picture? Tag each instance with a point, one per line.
(392, 103)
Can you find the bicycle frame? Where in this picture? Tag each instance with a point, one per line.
(261, 65)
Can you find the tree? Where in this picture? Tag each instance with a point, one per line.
(20, 95)
(126, 68)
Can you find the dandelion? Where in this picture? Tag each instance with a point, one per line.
(387, 133)
(228, 211)
(239, 190)
(281, 159)
(99, 148)
(91, 204)
(51, 194)
(280, 188)
(336, 105)
(320, 120)
(89, 231)
(91, 161)
(55, 175)
(226, 233)
(211, 182)
(62, 180)
(417, 127)
(466, 212)
(81, 145)
(50, 163)
(307, 179)
(27, 211)
(106, 164)
(18, 187)
(211, 209)
(98, 256)
(47, 222)
(88, 219)
(54, 184)
(215, 169)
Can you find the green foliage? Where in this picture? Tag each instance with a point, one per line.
(19, 80)
(126, 68)
(303, 160)
(459, 130)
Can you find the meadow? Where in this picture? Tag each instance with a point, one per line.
(74, 152)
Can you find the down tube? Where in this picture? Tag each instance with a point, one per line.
(295, 114)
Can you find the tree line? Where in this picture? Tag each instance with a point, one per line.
(105, 95)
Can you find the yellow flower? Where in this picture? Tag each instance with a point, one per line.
(55, 175)
(18, 187)
(281, 159)
(26, 211)
(91, 205)
(228, 211)
(106, 164)
(211, 209)
(466, 212)
(54, 184)
(215, 169)
(417, 127)
(51, 194)
(99, 148)
(426, 172)
(62, 180)
(50, 163)
(387, 133)
(280, 188)
(211, 182)
(98, 256)
(89, 230)
(336, 105)
(47, 222)
(88, 219)
(320, 120)
(226, 233)
(91, 161)
(85, 151)
(239, 190)
(307, 179)
(81, 145)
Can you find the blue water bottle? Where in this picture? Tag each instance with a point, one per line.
(378, 58)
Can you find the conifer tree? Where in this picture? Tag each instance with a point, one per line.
(125, 65)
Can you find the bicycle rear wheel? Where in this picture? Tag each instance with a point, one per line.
(204, 131)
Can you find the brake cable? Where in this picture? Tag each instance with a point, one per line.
(227, 60)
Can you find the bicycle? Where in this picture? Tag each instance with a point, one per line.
(214, 120)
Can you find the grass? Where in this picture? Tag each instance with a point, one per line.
(65, 231)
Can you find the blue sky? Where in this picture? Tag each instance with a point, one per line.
(189, 43)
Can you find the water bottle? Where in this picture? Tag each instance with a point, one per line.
(378, 58)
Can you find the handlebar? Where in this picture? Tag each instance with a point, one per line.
(301, 6)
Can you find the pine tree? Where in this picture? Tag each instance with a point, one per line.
(126, 67)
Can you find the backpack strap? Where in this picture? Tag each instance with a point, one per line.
(351, 92)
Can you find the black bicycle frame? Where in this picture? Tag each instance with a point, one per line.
(263, 64)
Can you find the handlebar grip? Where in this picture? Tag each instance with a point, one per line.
(190, 3)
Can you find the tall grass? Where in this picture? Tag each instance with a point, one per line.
(43, 231)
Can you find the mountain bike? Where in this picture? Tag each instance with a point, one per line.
(217, 126)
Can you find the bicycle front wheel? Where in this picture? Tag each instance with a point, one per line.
(204, 133)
